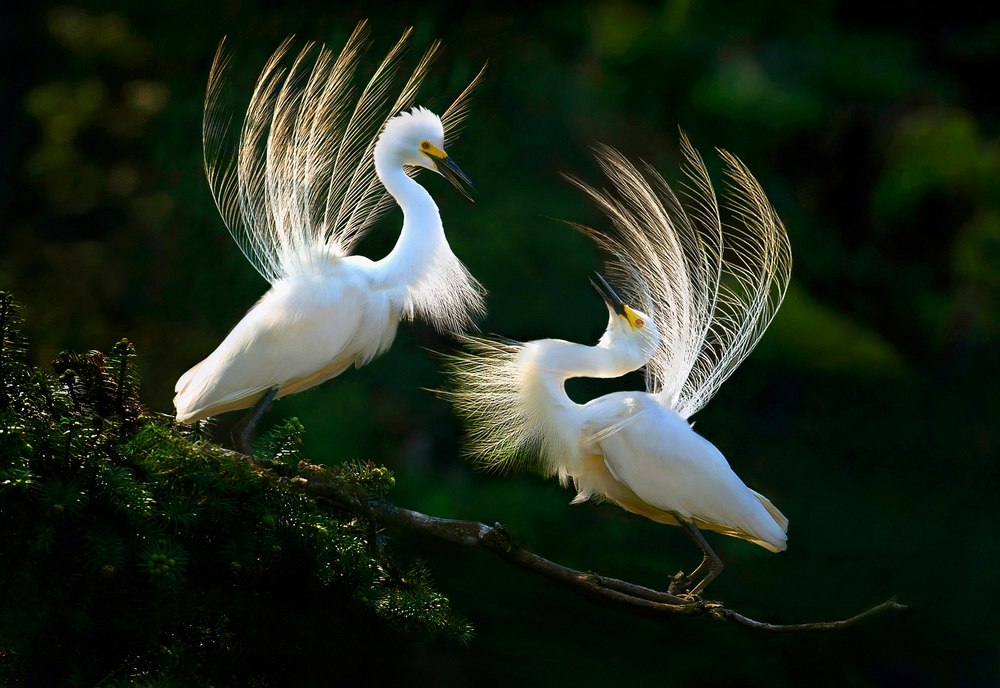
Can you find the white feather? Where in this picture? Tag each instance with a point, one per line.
(315, 166)
(301, 181)
(711, 290)
(674, 470)
(712, 287)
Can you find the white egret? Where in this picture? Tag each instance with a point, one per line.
(314, 168)
(702, 293)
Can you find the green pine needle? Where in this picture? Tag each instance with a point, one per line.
(134, 552)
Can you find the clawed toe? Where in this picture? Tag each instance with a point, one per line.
(711, 566)
(680, 583)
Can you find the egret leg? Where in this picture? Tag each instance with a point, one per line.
(710, 560)
(243, 430)
(702, 570)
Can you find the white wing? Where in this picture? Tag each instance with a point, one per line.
(295, 337)
(713, 288)
(300, 184)
(670, 467)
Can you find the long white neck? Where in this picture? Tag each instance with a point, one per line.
(542, 370)
(548, 363)
(422, 232)
(563, 360)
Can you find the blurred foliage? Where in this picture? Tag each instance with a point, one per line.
(134, 551)
(809, 335)
(867, 415)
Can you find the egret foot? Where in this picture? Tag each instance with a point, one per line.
(242, 432)
(679, 583)
(709, 568)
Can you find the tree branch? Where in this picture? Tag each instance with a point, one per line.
(622, 595)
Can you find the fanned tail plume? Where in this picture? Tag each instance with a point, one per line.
(757, 268)
(459, 109)
(713, 288)
(300, 185)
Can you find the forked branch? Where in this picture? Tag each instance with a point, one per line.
(622, 595)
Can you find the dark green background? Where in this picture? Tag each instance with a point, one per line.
(868, 414)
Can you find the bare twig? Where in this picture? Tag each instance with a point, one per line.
(735, 617)
(619, 594)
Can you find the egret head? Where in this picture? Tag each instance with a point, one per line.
(417, 138)
(629, 330)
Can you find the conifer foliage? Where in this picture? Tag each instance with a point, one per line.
(135, 552)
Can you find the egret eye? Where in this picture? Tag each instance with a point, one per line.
(425, 145)
(639, 323)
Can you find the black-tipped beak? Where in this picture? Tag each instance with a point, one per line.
(448, 169)
(609, 295)
(451, 171)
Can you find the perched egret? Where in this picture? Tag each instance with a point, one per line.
(315, 166)
(696, 297)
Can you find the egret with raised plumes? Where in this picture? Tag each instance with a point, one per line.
(696, 295)
(315, 165)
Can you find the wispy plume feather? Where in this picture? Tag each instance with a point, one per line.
(300, 184)
(488, 392)
(713, 287)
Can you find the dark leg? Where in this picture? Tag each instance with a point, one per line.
(243, 430)
(709, 561)
(703, 569)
